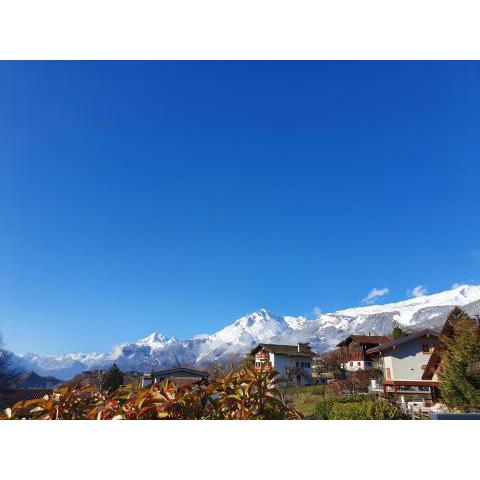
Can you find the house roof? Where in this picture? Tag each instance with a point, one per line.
(448, 330)
(179, 372)
(289, 350)
(10, 397)
(408, 338)
(368, 339)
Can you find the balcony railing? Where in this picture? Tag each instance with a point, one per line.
(265, 366)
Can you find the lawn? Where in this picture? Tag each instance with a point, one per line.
(305, 398)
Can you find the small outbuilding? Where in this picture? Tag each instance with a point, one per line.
(180, 375)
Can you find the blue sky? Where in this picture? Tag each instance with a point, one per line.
(179, 196)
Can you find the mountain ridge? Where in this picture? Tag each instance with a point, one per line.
(237, 338)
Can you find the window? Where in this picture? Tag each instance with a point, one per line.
(425, 348)
(351, 364)
(359, 364)
(368, 364)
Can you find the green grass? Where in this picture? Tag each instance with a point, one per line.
(305, 399)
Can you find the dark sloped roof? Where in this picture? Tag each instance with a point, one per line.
(8, 398)
(368, 339)
(290, 350)
(400, 341)
(180, 372)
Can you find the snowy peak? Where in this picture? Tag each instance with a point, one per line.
(155, 340)
(152, 338)
(296, 323)
(262, 317)
(256, 327)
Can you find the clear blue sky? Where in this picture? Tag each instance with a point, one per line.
(179, 196)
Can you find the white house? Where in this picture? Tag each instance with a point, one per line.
(292, 362)
(403, 363)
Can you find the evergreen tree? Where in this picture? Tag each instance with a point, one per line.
(460, 380)
(113, 378)
(397, 332)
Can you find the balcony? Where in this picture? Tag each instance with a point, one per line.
(395, 389)
(263, 365)
(353, 356)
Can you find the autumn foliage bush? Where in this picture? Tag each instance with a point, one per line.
(242, 395)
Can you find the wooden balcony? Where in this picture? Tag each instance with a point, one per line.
(353, 357)
(264, 366)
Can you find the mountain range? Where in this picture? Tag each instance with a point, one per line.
(236, 339)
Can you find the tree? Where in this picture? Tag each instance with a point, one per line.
(397, 332)
(113, 379)
(328, 365)
(361, 380)
(98, 378)
(6, 373)
(232, 364)
(460, 372)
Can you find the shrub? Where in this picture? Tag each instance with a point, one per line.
(247, 394)
(356, 407)
(323, 409)
(365, 410)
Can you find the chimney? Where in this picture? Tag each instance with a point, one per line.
(303, 347)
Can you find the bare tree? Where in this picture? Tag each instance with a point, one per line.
(7, 374)
(359, 381)
(329, 364)
(99, 376)
(219, 369)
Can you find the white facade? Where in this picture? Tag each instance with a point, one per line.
(283, 362)
(403, 363)
(356, 365)
(408, 360)
(288, 365)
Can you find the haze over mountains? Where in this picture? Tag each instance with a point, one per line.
(156, 351)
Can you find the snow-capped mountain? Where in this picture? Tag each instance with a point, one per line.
(323, 332)
(427, 311)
